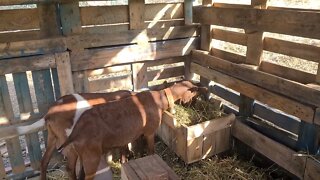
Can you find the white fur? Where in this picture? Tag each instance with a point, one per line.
(82, 106)
(32, 127)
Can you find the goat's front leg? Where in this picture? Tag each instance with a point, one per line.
(47, 155)
(150, 142)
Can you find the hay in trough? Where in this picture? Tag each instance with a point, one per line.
(197, 112)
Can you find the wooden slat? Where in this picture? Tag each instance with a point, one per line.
(292, 89)
(2, 169)
(32, 47)
(23, 2)
(288, 73)
(254, 47)
(165, 73)
(25, 106)
(188, 12)
(49, 24)
(55, 80)
(161, 62)
(136, 14)
(225, 5)
(235, 58)
(287, 105)
(140, 77)
(96, 15)
(115, 83)
(277, 152)
(230, 36)
(163, 23)
(70, 18)
(298, 50)
(19, 19)
(64, 73)
(131, 36)
(318, 75)
(26, 64)
(105, 57)
(19, 36)
(312, 169)
(164, 11)
(297, 23)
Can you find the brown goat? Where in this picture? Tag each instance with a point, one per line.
(120, 122)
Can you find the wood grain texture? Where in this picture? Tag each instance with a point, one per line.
(277, 152)
(288, 48)
(136, 14)
(188, 12)
(312, 170)
(105, 57)
(19, 19)
(292, 89)
(164, 11)
(49, 22)
(299, 23)
(32, 47)
(64, 73)
(165, 73)
(254, 47)
(287, 105)
(318, 75)
(235, 58)
(70, 18)
(230, 36)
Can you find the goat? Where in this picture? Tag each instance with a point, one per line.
(118, 123)
(60, 120)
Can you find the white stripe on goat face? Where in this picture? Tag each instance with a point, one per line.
(82, 106)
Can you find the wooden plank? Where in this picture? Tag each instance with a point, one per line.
(230, 36)
(288, 73)
(188, 12)
(208, 127)
(164, 11)
(64, 73)
(140, 77)
(292, 89)
(163, 23)
(32, 47)
(49, 24)
(194, 149)
(317, 116)
(165, 73)
(235, 58)
(318, 75)
(19, 19)
(3, 173)
(312, 169)
(278, 153)
(216, 142)
(136, 14)
(225, 94)
(26, 64)
(287, 105)
(19, 36)
(96, 15)
(56, 85)
(104, 57)
(299, 50)
(245, 106)
(254, 47)
(116, 83)
(131, 36)
(70, 18)
(25, 106)
(23, 2)
(299, 23)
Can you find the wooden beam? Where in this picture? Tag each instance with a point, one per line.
(312, 169)
(230, 36)
(288, 48)
(300, 23)
(292, 89)
(280, 154)
(235, 58)
(19, 19)
(318, 75)
(165, 73)
(188, 12)
(287, 105)
(23, 2)
(136, 14)
(70, 18)
(32, 47)
(317, 117)
(286, 72)
(49, 22)
(105, 57)
(254, 47)
(64, 73)
(164, 11)
(24, 64)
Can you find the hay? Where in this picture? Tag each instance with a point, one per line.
(229, 167)
(197, 112)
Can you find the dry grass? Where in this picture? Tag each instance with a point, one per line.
(196, 112)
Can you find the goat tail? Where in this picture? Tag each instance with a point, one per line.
(14, 131)
(66, 143)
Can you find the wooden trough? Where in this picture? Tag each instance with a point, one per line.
(196, 142)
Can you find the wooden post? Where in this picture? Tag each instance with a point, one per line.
(49, 22)
(253, 57)
(188, 12)
(64, 73)
(71, 25)
(205, 42)
(136, 15)
(318, 75)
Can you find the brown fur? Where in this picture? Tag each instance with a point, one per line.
(117, 123)
(60, 117)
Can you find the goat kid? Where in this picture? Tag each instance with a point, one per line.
(120, 122)
(60, 121)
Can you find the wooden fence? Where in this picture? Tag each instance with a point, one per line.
(58, 47)
(279, 105)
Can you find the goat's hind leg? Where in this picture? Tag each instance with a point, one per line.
(72, 157)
